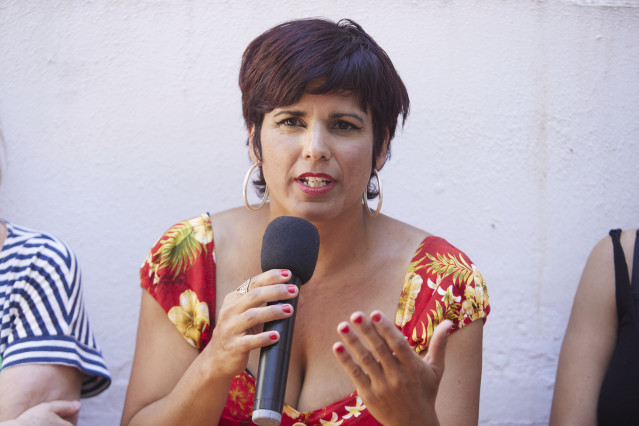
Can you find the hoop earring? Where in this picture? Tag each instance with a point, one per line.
(244, 187)
(381, 197)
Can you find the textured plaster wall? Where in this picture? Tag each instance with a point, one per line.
(123, 117)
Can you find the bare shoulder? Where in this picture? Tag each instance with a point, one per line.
(597, 282)
(601, 253)
(595, 298)
(233, 215)
(599, 270)
(236, 224)
(238, 241)
(401, 233)
(394, 244)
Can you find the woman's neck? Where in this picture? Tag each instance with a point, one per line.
(343, 239)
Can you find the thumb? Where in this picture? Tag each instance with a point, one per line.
(437, 347)
(65, 408)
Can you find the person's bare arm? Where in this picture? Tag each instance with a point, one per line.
(458, 397)
(172, 381)
(588, 343)
(162, 357)
(26, 386)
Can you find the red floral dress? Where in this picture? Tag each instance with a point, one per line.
(179, 272)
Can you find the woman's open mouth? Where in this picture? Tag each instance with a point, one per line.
(315, 182)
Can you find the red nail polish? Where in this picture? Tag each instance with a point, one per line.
(339, 349)
(273, 335)
(377, 317)
(358, 319)
(345, 329)
(285, 273)
(291, 289)
(287, 308)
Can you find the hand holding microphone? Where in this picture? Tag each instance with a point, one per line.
(289, 243)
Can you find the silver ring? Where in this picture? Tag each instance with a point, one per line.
(244, 288)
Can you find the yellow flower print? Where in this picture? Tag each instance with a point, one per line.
(467, 305)
(447, 296)
(476, 297)
(434, 285)
(202, 229)
(449, 264)
(293, 414)
(183, 244)
(480, 285)
(355, 411)
(190, 317)
(153, 269)
(421, 341)
(473, 306)
(406, 306)
(333, 421)
(241, 395)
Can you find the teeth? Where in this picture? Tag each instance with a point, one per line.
(315, 182)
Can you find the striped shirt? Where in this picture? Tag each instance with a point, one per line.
(42, 316)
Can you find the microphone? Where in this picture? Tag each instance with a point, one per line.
(288, 243)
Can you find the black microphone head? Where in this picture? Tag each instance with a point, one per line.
(291, 243)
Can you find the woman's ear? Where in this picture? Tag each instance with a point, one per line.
(381, 158)
(252, 156)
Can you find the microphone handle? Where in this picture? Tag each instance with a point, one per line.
(273, 369)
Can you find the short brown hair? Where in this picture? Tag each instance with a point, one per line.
(278, 66)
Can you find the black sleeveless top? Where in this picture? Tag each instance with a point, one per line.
(619, 394)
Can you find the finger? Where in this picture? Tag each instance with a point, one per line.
(358, 350)
(377, 342)
(260, 340)
(65, 408)
(245, 343)
(395, 340)
(268, 286)
(437, 347)
(355, 372)
(270, 277)
(263, 314)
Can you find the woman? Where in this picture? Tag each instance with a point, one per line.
(597, 373)
(321, 102)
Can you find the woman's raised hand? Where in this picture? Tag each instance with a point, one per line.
(240, 323)
(397, 385)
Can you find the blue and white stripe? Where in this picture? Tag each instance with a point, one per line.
(42, 312)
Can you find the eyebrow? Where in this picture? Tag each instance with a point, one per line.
(291, 112)
(344, 114)
(296, 113)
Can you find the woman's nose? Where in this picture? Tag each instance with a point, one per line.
(316, 145)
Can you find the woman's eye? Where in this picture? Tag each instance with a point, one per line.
(345, 125)
(291, 121)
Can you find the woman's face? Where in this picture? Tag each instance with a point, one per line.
(317, 156)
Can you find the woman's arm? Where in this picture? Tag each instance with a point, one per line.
(458, 397)
(25, 386)
(588, 343)
(166, 384)
(171, 381)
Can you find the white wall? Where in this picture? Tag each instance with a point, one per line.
(123, 117)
